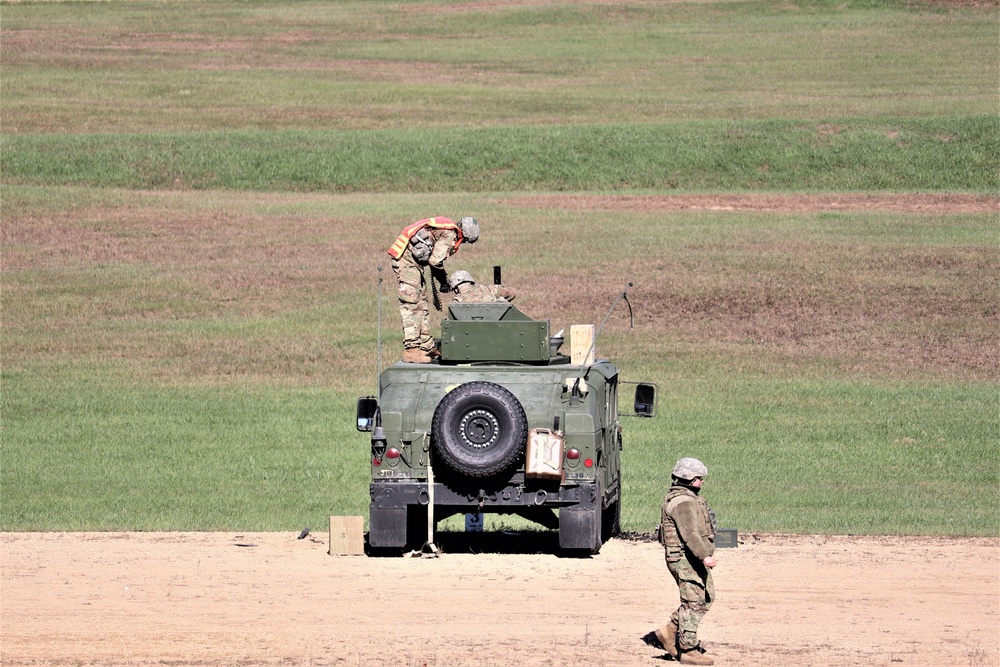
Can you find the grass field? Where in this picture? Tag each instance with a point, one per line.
(899, 154)
(196, 198)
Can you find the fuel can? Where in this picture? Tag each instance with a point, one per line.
(544, 456)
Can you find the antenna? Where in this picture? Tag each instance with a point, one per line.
(377, 434)
(575, 398)
(378, 333)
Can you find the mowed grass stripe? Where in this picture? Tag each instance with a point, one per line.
(841, 457)
(948, 153)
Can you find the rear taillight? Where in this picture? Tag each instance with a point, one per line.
(392, 453)
(573, 454)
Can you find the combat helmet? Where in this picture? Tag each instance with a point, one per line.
(470, 229)
(689, 468)
(460, 277)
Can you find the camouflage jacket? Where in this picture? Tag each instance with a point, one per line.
(483, 293)
(686, 525)
(428, 241)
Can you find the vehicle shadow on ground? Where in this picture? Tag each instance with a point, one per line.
(498, 542)
(511, 542)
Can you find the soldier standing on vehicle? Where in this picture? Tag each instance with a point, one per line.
(427, 242)
(467, 290)
(687, 532)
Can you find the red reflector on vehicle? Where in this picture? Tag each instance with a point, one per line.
(392, 453)
(589, 463)
(376, 462)
(573, 454)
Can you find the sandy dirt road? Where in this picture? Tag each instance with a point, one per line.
(272, 599)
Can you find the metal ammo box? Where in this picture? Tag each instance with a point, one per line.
(512, 336)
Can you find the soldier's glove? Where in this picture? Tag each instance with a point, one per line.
(441, 276)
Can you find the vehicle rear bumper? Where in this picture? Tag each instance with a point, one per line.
(398, 509)
(397, 494)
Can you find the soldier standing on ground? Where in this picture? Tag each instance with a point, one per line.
(467, 290)
(427, 242)
(687, 532)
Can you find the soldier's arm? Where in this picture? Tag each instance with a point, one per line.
(691, 528)
(506, 293)
(442, 248)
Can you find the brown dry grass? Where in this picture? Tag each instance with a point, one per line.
(891, 308)
(293, 292)
(939, 203)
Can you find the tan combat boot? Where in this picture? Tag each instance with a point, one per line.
(694, 656)
(668, 637)
(416, 356)
(664, 639)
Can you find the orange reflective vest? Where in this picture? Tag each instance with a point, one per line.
(396, 251)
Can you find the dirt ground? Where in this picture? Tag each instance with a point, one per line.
(274, 599)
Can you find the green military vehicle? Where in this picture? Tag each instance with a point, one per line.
(502, 422)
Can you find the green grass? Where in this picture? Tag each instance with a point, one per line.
(195, 198)
(828, 456)
(151, 67)
(86, 454)
(819, 456)
(946, 153)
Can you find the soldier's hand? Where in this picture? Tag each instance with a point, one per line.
(710, 562)
(441, 276)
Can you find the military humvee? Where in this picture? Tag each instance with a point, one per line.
(502, 423)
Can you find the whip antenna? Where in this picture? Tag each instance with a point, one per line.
(378, 437)
(583, 370)
(378, 333)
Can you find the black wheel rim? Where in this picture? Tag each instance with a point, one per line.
(479, 429)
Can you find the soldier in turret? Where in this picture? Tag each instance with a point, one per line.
(427, 242)
(467, 290)
(687, 532)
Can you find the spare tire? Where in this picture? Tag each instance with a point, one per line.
(479, 429)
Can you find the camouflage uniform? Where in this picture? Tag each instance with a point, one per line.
(476, 293)
(688, 538)
(412, 286)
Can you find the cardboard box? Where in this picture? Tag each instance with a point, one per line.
(347, 536)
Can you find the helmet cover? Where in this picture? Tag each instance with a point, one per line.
(460, 277)
(689, 468)
(470, 229)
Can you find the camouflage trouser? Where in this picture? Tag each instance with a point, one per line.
(697, 590)
(413, 305)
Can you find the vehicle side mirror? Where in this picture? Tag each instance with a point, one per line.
(367, 407)
(645, 400)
